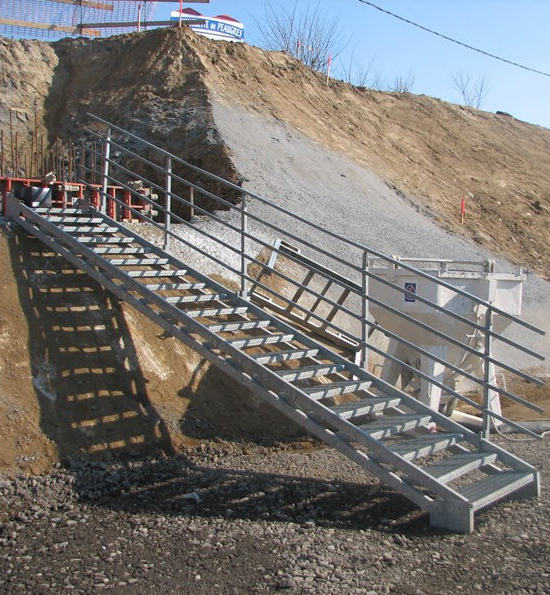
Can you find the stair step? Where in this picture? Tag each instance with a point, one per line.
(165, 273)
(494, 487)
(216, 312)
(389, 426)
(106, 240)
(140, 262)
(283, 356)
(458, 465)
(334, 389)
(415, 448)
(263, 340)
(57, 210)
(310, 371)
(365, 406)
(223, 327)
(85, 219)
(108, 251)
(203, 297)
(87, 229)
(174, 287)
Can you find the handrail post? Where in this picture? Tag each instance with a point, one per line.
(105, 176)
(244, 231)
(191, 203)
(364, 361)
(487, 418)
(167, 201)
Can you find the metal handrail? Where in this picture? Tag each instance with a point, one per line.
(245, 235)
(274, 227)
(334, 235)
(371, 347)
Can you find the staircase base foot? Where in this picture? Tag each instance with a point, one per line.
(531, 490)
(452, 516)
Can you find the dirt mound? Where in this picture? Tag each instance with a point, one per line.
(83, 374)
(158, 85)
(432, 151)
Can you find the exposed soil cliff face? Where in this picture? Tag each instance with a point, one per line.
(26, 74)
(82, 374)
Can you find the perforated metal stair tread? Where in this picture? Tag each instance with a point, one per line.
(365, 407)
(75, 229)
(415, 448)
(174, 287)
(118, 251)
(334, 389)
(164, 273)
(80, 220)
(310, 371)
(213, 312)
(45, 211)
(287, 355)
(140, 262)
(222, 327)
(458, 465)
(203, 297)
(263, 340)
(494, 487)
(106, 240)
(396, 424)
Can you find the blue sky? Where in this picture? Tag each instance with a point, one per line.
(514, 29)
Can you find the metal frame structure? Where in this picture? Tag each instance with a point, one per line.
(442, 467)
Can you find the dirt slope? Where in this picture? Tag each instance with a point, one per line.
(83, 374)
(433, 151)
(143, 392)
(158, 84)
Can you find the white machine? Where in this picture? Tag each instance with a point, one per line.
(502, 290)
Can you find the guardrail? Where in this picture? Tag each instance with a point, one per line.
(236, 238)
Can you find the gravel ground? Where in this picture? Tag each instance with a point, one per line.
(234, 518)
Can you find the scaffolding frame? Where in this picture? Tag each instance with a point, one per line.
(50, 19)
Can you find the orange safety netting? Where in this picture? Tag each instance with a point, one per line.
(53, 19)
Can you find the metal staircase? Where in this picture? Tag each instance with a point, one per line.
(444, 468)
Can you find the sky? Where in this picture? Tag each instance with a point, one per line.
(517, 30)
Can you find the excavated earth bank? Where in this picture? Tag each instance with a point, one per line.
(88, 381)
(388, 165)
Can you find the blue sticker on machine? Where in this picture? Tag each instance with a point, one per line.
(410, 292)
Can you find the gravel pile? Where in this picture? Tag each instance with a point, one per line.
(280, 164)
(235, 518)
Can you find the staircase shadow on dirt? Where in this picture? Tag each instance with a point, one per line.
(86, 374)
(181, 488)
(95, 408)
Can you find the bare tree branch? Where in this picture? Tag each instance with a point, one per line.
(402, 83)
(307, 34)
(472, 92)
(361, 75)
